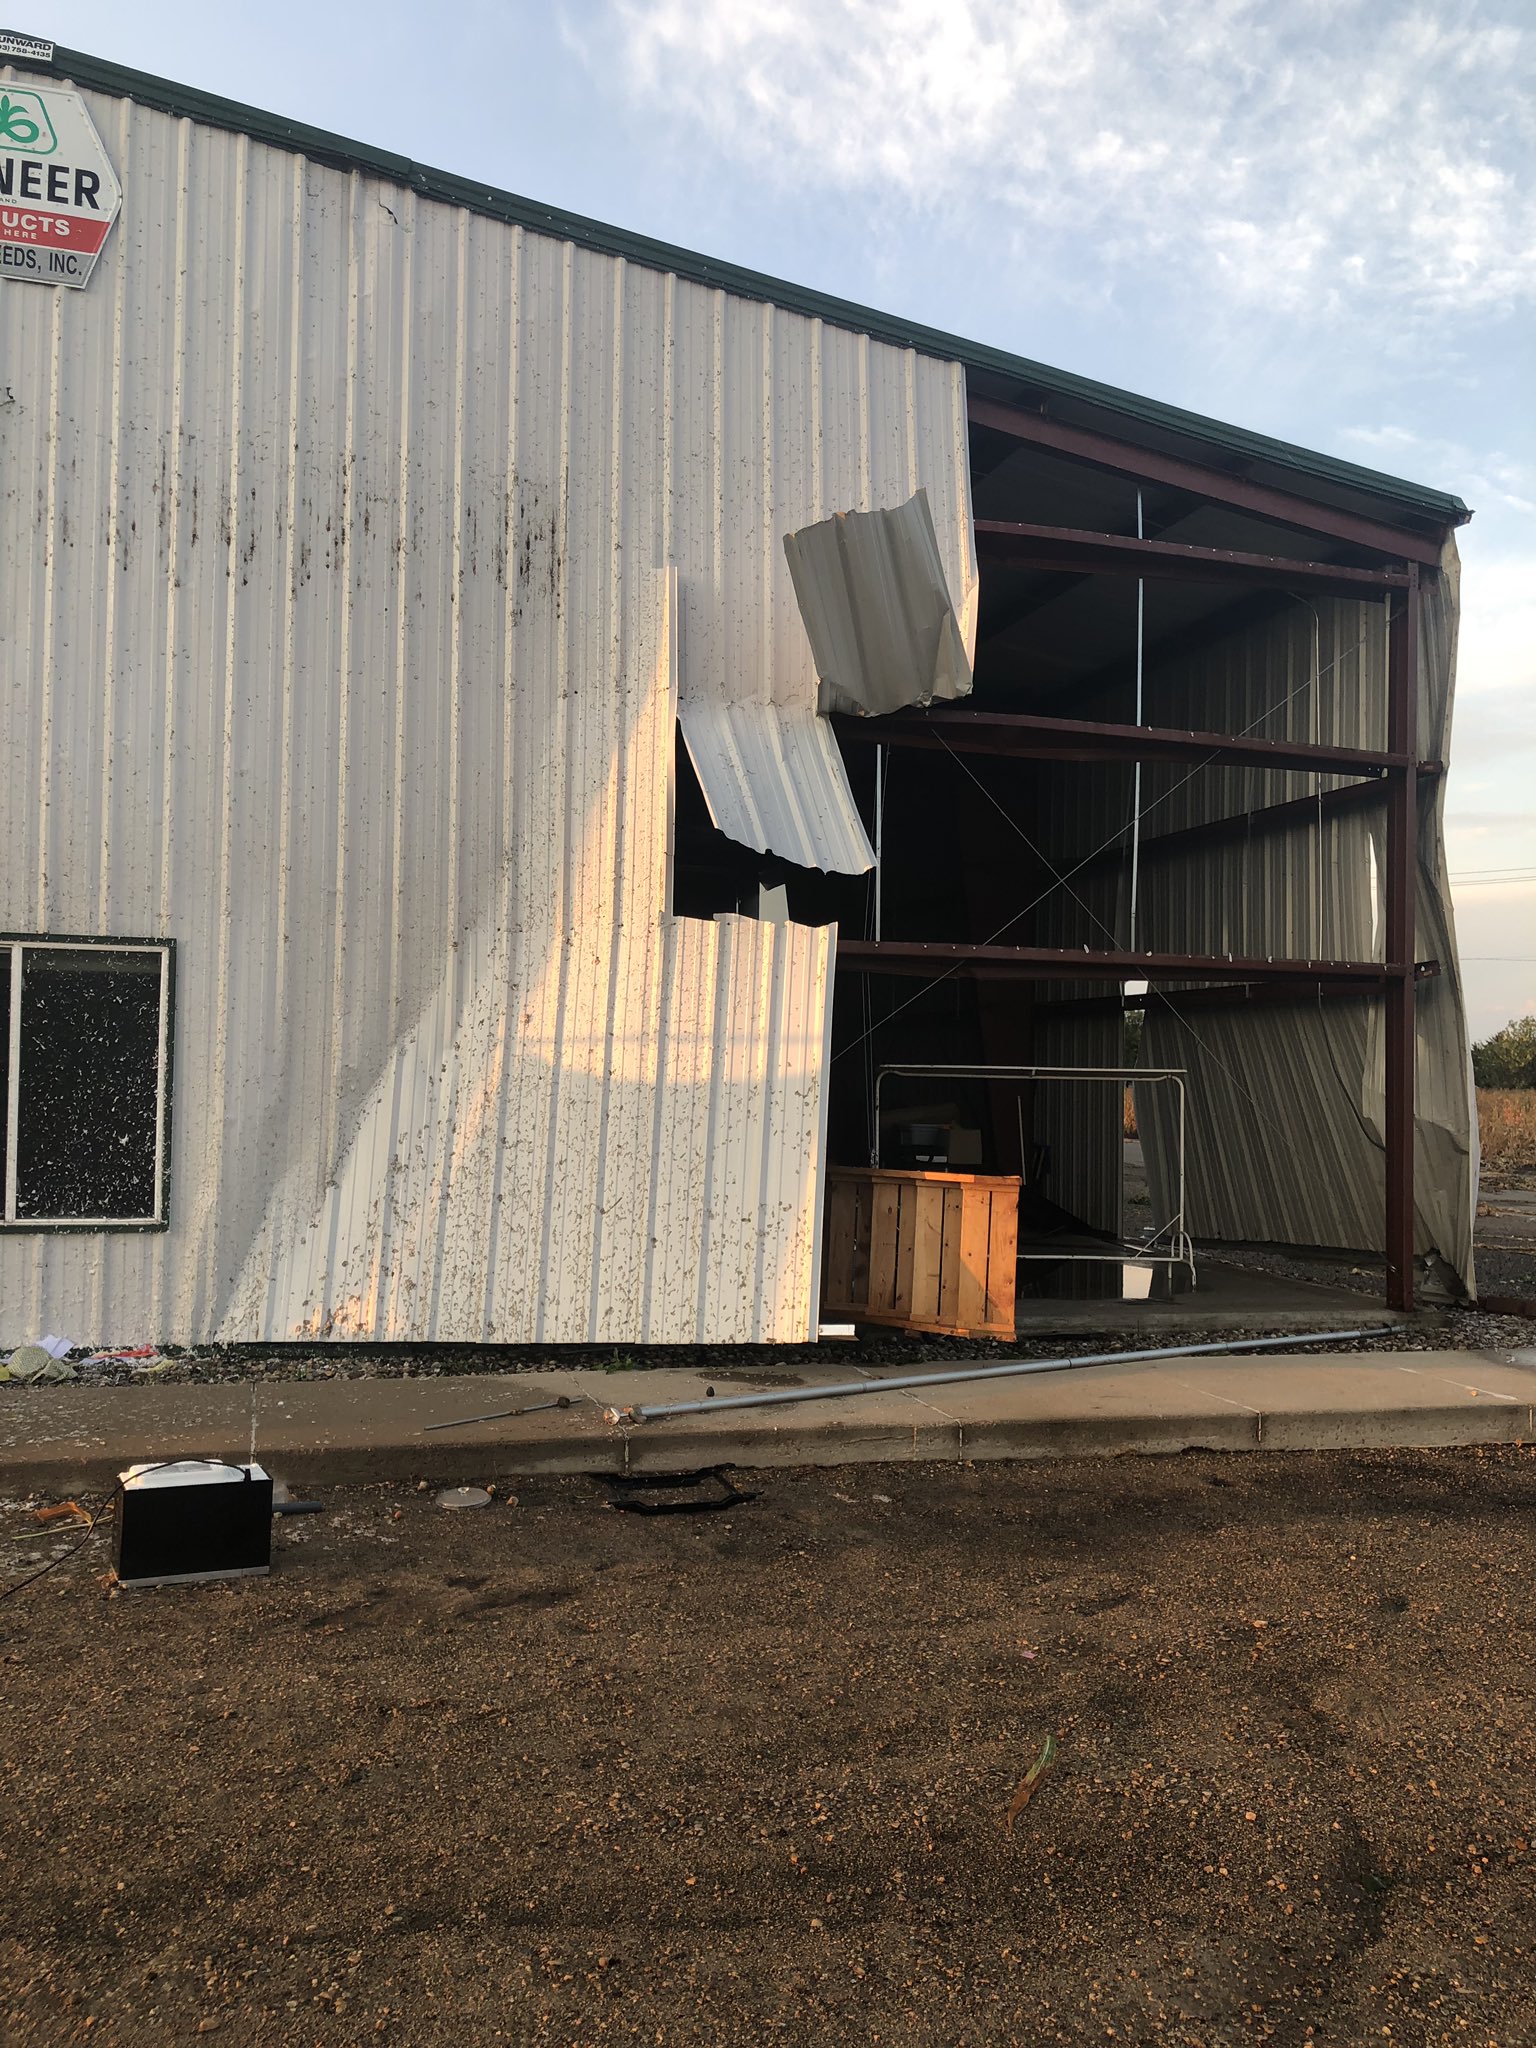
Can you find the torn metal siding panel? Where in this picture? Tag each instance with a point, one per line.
(1288, 1104)
(330, 524)
(774, 780)
(1279, 1148)
(767, 413)
(881, 622)
(1445, 1096)
(769, 766)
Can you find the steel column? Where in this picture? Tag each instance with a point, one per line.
(1401, 884)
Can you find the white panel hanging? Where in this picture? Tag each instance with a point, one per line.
(883, 627)
(774, 780)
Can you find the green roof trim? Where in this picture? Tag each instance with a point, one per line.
(188, 102)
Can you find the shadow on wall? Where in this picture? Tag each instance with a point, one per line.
(615, 1136)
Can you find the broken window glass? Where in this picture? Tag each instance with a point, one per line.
(5, 1065)
(88, 1095)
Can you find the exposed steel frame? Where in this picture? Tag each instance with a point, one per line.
(1066, 963)
(1401, 889)
(1255, 824)
(1079, 739)
(1218, 486)
(1392, 772)
(1108, 554)
(1244, 993)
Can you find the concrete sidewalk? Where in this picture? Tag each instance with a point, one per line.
(74, 1438)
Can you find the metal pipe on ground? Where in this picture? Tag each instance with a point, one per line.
(1013, 1368)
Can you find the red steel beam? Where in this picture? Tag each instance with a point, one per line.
(1114, 554)
(1401, 878)
(1064, 963)
(1217, 486)
(1078, 739)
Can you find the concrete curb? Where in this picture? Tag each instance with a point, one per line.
(76, 1439)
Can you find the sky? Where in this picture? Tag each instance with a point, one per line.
(1316, 220)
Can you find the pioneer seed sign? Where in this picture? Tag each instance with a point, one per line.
(58, 192)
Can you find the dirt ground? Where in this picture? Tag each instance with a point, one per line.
(549, 1772)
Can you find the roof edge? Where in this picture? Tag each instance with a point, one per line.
(1416, 501)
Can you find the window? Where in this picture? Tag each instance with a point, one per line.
(85, 1056)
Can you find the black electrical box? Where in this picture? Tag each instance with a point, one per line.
(192, 1518)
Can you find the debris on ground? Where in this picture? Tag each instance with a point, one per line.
(61, 1511)
(464, 1497)
(726, 1366)
(45, 1359)
(1032, 1777)
(673, 1493)
(501, 1414)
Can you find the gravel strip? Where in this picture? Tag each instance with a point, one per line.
(753, 1364)
(1440, 1329)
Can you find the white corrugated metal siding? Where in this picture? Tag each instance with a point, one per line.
(882, 624)
(874, 595)
(330, 529)
(775, 780)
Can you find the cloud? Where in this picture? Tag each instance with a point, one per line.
(1305, 160)
(1497, 652)
(1489, 478)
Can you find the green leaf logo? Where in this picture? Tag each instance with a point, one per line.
(24, 124)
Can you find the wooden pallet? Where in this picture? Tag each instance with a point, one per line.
(921, 1251)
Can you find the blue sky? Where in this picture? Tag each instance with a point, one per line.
(1318, 220)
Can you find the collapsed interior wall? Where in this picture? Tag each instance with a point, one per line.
(1288, 1143)
(1286, 1097)
(1286, 1092)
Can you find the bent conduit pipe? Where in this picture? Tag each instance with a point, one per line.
(1013, 1368)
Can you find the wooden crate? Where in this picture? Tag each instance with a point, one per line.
(921, 1251)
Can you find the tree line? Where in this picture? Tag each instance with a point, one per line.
(1508, 1058)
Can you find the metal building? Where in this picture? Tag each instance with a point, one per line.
(441, 896)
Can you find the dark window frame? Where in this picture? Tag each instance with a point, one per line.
(12, 945)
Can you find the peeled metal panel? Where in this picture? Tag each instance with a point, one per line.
(1446, 1161)
(330, 528)
(1278, 1146)
(1312, 672)
(1287, 1104)
(737, 1166)
(774, 780)
(882, 625)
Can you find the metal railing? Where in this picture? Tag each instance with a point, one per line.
(1168, 1246)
